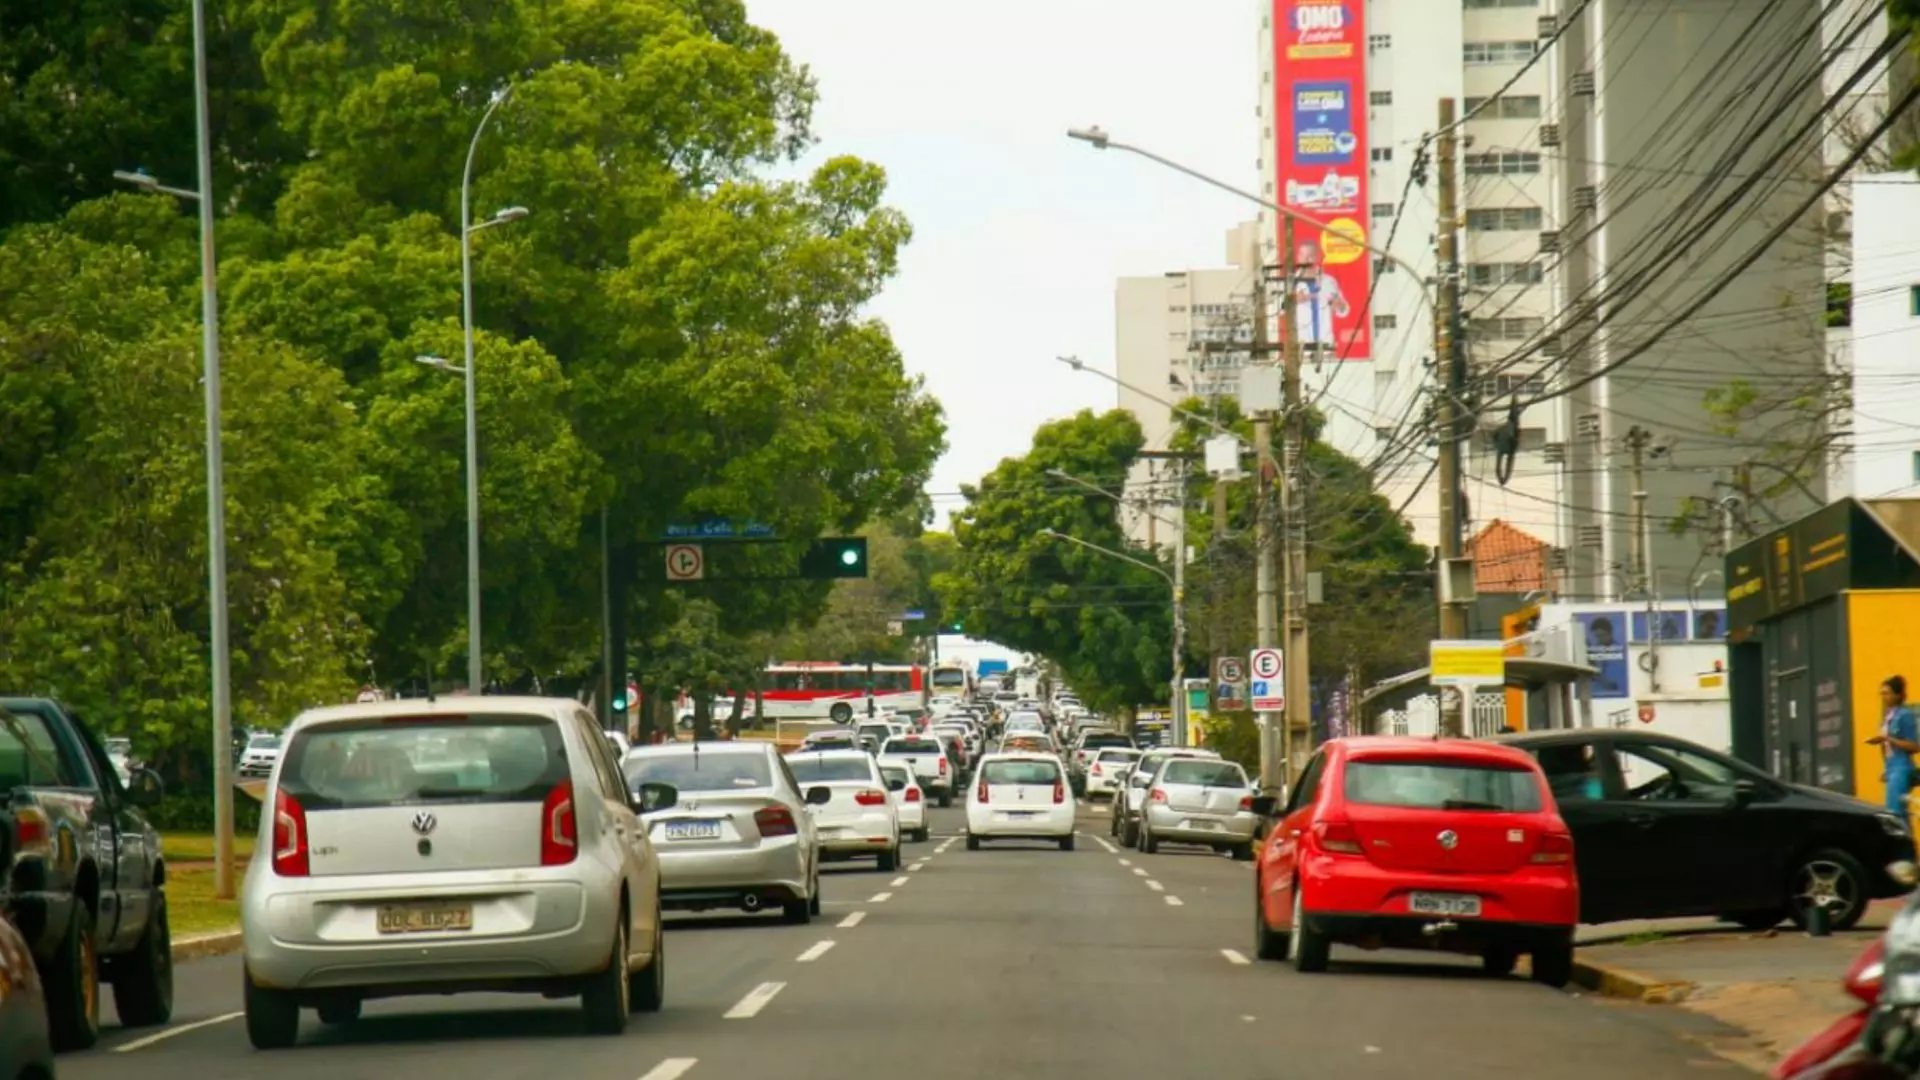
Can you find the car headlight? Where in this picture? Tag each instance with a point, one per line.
(1892, 824)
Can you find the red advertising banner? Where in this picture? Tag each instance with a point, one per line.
(1320, 142)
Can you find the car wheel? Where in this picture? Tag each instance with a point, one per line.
(973, 843)
(1267, 943)
(1498, 960)
(339, 1012)
(841, 712)
(1129, 833)
(273, 1017)
(797, 912)
(946, 800)
(1832, 879)
(1553, 962)
(921, 835)
(1241, 852)
(647, 988)
(1066, 843)
(1310, 947)
(1148, 845)
(605, 1002)
(143, 979)
(888, 860)
(73, 986)
(813, 902)
(1755, 920)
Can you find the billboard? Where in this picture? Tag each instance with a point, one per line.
(1320, 142)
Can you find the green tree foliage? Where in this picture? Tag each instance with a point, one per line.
(854, 624)
(1103, 622)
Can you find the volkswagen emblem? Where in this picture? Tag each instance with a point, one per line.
(424, 822)
(1449, 839)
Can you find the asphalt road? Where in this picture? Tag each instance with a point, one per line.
(1009, 962)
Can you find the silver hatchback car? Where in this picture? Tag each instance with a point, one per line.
(739, 836)
(1197, 801)
(439, 846)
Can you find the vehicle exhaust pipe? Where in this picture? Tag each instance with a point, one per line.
(751, 902)
(1435, 929)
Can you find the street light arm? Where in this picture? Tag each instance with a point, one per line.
(1121, 555)
(1077, 364)
(1059, 474)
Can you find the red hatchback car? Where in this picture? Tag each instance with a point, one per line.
(1419, 844)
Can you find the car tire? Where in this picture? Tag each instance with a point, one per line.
(647, 988)
(813, 902)
(143, 979)
(887, 861)
(921, 835)
(1311, 948)
(1148, 845)
(1756, 920)
(1066, 843)
(336, 1013)
(946, 800)
(1499, 960)
(1268, 943)
(1129, 833)
(73, 986)
(1552, 963)
(1848, 889)
(797, 912)
(973, 843)
(273, 1016)
(1241, 852)
(605, 1002)
(840, 713)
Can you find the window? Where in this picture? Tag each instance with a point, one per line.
(1309, 785)
(1020, 772)
(1482, 4)
(1505, 219)
(476, 758)
(1524, 385)
(1379, 97)
(1205, 773)
(1385, 322)
(1442, 785)
(1916, 466)
(1481, 53)
(1511, 328)
(1493, 275)
(1502, 163)
(1661, 773)
(29, 756)
(1381, 153)
(1383, 266)
(1573, 772)
(1913, 300)
(1519, 107)
(821, 770)
(1379, 42)
(705, 771)
(1176, 307)
(1383, 209)
(1384, 434)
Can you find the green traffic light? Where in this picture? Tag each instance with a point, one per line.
(849, 557)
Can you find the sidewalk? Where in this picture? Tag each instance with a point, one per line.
(1759, 995)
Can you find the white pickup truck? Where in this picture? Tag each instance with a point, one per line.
(928, 760)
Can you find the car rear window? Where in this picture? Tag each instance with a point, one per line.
(1207, 773)
(1105, 740)
(895, 772)
(1442, 785)
(1119, 755)
(704, 771)
(912, 746)
(1021, 772)
(813, 770)
(409, 761)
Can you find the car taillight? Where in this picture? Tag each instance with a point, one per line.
(1554, 848)
(870, 797)
(32, 832)
(559, 832)
(983, 789)
(775, 821)
(1096, 769)
(1337, 837)
(1157, 795)
(1246, 803)
(913, 794)
(943, 766)
(1059, 791)
(289, 836)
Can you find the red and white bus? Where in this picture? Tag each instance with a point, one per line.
(804, 690)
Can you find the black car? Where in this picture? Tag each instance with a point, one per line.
(1663, 827)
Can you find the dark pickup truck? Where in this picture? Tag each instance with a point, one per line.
(81, 873)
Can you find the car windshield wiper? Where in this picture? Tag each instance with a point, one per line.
(1469, 804)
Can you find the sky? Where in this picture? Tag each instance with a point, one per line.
(1019, 232)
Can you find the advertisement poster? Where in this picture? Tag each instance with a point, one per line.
(1320, 141)
(1606, 652)
(1671, 626)
(1709, 624)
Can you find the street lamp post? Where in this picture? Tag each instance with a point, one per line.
(218, 632)
(1218, 428)
(1176, 585)
(467, 229)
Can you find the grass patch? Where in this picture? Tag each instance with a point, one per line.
(198, 847)
(191, 908)
(1644, 937)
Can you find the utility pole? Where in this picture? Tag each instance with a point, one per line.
(1177, 707)
(1273, 756)
(1299, 701)
(1450, 364)
(1641, 569)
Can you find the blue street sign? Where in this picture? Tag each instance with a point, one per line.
(910, 616)
(718, 529)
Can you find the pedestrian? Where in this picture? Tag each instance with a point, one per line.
(1898, 740)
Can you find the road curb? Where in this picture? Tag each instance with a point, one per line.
(201, 946)
(1614, 982)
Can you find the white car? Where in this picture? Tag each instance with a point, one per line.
(909, 799)
(926, 755)
(454, 845)
(857, 819)
(262, 752)
(1105, 771)
(1020, 796)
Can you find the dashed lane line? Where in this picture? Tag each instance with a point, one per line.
(1172, 901)
(880, 898)
(852, 920)
(671, 1069)
(815, 952)
(1126, 862)
(1140, 871)
(749, 1007)
(181, 1029)
(901, 880)
(1234, 957)
(1155, 886)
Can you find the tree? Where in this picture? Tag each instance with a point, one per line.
(1104, 622)
(854, 623)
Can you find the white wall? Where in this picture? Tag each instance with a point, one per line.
(1682, 706)
(1886, 335)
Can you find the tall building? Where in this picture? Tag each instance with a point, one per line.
(1885, 331)
(1618, 161)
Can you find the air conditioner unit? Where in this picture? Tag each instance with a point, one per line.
(1549, 25)
(1549, 135)
(1583, 84)
(1555, 453)
(1550, 242)
(1585, 197)
(1550, 348)
(1588, 425)
(1592, 536)
(1556, 558)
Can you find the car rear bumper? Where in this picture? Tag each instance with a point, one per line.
(1199, 827)
(1052, 823)
(1447, 935)
(1351, 886)
(777, 865)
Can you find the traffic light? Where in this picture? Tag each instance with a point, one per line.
(835, 557)
(954, 627)
(619, 701)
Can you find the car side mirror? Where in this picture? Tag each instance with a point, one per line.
(652, 798)
(896, 785)
(819, 795)
(1746, 791)
(144, 788)
(1265, 805)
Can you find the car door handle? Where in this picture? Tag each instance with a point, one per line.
(1644, 821)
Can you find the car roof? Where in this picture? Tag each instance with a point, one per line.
(1364, 747)
(703, 749)
(826, 755)
(1018, 755)
(451, 706)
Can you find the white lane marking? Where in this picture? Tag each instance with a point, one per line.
(880, 898)
(749, 1007)
(917, 867)
(818, 950)
(1140, 870)
(1234, 957)
(1172, 901)
(852, 920)
(1111, 850)
(671, 1069)
(901, 880)
(1155, 886)
(1125, 862)
(182, 1029)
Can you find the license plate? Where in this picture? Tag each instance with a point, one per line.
(1427, 903)
(1200, 824)
(1018, 815)
(423, 918)
(693, 830)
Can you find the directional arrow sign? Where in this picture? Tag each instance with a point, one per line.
(685, 562)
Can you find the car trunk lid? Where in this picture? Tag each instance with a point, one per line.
(1443, 815)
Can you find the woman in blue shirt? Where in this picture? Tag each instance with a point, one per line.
(1899, 740)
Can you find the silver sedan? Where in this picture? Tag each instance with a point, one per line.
(1196, 801)
(739, 835)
